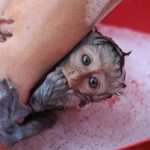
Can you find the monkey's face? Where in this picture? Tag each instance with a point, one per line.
(95, 69)
(83, 73)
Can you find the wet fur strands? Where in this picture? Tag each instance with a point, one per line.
(5, 32)
(92, 72)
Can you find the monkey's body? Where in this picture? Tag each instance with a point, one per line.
(93, 71)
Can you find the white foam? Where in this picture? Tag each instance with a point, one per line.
(107, 125)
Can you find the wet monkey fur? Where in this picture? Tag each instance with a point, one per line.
(93, 71)
(5, 31)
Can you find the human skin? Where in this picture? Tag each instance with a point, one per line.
(3, 4)
(42, 34)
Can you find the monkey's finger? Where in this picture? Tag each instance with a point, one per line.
(59, 69)
(11, 85)
(56, 95)
(57, 77)
(6, 33)
(52, 75)
(60, 91)
(3, 84)
(61, 86)
(13, 91)
(5, 30)
(2, 37)
(21, 112)
(61, 82)
(6, 19)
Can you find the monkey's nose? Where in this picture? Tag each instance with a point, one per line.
(73, 82)
(72, 72)
(73, 75)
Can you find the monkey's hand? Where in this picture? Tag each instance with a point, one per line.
(5, 30)
(54, 86)
(10, 111)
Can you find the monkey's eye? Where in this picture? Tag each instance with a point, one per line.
(93, 82)
(86, 60)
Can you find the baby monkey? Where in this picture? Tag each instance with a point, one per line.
(92, 72)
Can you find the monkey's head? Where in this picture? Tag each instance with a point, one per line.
(95, 68)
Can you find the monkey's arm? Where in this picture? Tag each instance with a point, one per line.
(11, 110)
(5, 30)
(45, 95)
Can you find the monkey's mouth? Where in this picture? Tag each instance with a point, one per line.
(72, 83)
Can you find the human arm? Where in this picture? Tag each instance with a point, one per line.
(43, 34)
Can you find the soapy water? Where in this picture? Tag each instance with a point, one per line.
(110, 124)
